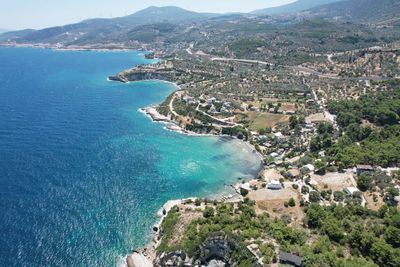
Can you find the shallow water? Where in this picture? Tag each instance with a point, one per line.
(82, 172)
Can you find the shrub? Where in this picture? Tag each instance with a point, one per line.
(338, 196)
(208, 212)
(314, 196)
(244, 192)
(305, 190)
(292, 202)
(197, 202)
(364, 182)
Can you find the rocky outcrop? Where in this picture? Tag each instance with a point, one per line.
(177, 258)
(137, 260)
(155, 115)
(141, 76)
(150, 56)
(216, 251)
(160, 71)
(164, 76)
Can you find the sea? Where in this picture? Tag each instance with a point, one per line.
(82, 171)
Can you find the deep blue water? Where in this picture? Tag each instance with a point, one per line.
(82, 172)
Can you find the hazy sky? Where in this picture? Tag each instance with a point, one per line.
(19, 14)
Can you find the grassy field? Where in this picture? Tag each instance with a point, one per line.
(262, 120)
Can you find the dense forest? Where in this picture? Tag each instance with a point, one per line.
(355, 230)
(381, 109)
(369, 130)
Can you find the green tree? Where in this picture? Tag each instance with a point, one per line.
(305, 189)
(314, 196)
(293, 122)
(364, 182)
(292, 202)
(390, 196)
(383, 254)
(338, 196)
(344, 119)
(333, 229)
(244, 192)
(315, 216)
(208, 212)
(392, 236)
(325, 128)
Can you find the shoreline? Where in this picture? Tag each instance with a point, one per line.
(146, 255)
(152, 113)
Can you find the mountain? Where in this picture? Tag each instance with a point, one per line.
(15, 34)
(100, 29)
(171, 25)
(170, 14)
(368, 11)
(297, 6)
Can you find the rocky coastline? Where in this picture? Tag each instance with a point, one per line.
(163, 71)
(146, 256)
(133, 75)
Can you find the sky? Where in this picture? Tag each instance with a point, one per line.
(36, 14)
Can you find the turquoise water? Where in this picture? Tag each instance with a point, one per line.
(82, 172)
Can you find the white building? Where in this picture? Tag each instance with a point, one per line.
(274, 155)
(351, 190)
(211, 100)
(310, 167)
(274, 185)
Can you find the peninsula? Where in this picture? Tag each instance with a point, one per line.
(315, 92)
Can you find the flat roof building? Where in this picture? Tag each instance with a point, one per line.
(290, 259)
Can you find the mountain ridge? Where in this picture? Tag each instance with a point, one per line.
(90, 27)
(293, 7)
(359, 10)
(158, 24)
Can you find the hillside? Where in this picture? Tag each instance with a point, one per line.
(170, 14)
(297, 6)
(366, 11)
(323, 28)
(97, 30)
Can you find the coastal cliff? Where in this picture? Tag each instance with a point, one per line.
(160, 71)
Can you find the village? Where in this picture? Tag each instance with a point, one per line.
(284, 127)
(286, 114)
(279, 124)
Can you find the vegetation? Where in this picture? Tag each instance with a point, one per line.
(341, 235)
(382, 109)
(242, 222)
(244, 48)
(376, 143)
(237, 131)
(363, 232)
(167, 230)
(379, 148)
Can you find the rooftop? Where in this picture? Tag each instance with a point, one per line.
(365, 167)
(287, 257)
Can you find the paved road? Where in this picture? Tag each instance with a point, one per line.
(241, 60)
